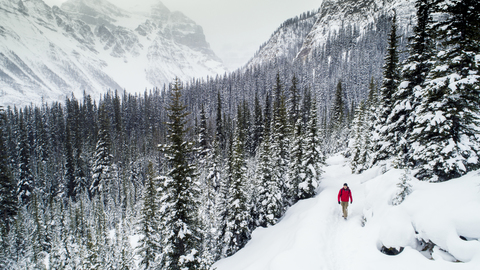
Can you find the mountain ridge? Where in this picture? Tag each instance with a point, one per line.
(328, 20)
(48, 53)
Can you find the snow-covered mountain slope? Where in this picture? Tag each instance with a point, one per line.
(358, 15)
(437, 226)
(287, 40)
(302, 35)
(47, 53)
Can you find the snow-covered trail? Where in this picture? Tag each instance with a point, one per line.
(313, 235)
(312, 232)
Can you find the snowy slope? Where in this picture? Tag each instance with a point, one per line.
(313, 235)
(298, 40)
(47, 53)
(359, 15)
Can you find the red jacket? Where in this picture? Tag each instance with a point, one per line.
(344, 195)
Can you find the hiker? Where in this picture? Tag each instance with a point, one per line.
(343, 195)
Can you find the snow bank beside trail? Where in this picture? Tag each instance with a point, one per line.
(437, 226)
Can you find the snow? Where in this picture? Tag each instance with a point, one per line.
(44, 60)
(313, 235)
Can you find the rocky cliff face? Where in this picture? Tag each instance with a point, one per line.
(47, 53)
(297, 38)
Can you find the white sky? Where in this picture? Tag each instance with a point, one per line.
(235, 29)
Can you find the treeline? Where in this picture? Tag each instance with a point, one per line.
(87, 185)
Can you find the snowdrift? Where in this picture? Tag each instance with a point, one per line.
(436, 226)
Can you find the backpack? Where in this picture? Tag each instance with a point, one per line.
(341, 191)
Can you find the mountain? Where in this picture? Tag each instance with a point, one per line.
(343, 40)
(297, 38)
(47, 53)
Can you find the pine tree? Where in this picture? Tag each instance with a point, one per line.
(296, 168)
(8, 198)
(313, 158)
(149, 247)
(337, 118)
(356, 144)
(124, 258)
(257, 134)
(209, 176)
(102, 248)
(38, 235)
(236, 232)
(338, 121)
(70, 162)
(404, 188)
(267, 119)
(414, 72)
(294, 102)
(8, 201)
(385, 143)
(446, 130)
(361, 145)
(25, 183)
(179, 205)
(269, 200)
(280, 144)
(247, 126)
(102, 168)
(59, 255)
(220, 132)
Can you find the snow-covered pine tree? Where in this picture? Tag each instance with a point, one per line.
(21, 249)
(124, 254)
(313, 157)
(8, 198)
(404, 188)
(361, 145)
(38, 235)
(209, 177)
(337, 131)
(268, 201)
(102, 167)
(70, 184)
(337, 118)
(267, 114)
(356, 143)
(103, 248)
(446, 133)
(149, 247)
(296, 172)
(25, 181)
(223, 214)
(59, 256)
(247, 126)
(220, 130)
(414, 70)
(384, 141)
(280, 144)
(237, 220)
(179, 205)
(91, 252)
(257, 134)
(294, 102)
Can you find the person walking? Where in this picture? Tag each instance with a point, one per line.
(343, 196)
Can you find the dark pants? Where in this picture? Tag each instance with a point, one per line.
(344, 208)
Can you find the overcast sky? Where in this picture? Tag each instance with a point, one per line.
(235, 29)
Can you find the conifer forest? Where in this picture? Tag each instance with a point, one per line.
(178, 177)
